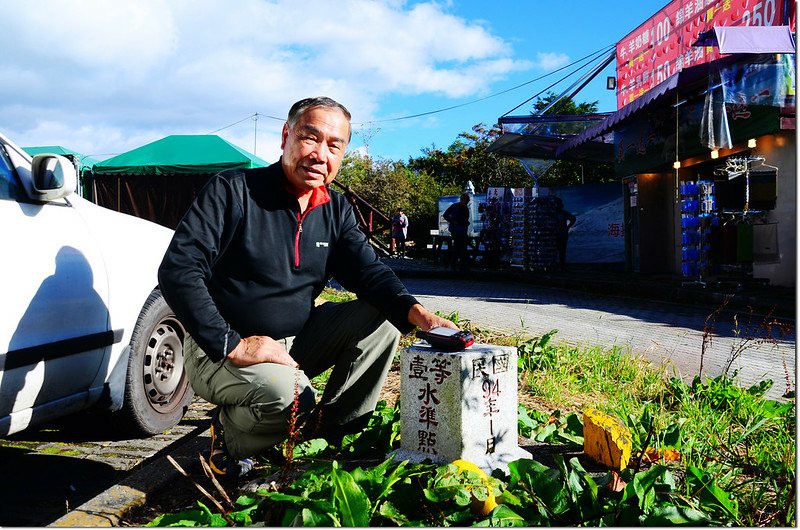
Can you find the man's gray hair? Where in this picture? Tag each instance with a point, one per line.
(299, 108)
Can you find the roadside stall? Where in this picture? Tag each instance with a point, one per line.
(159, 181)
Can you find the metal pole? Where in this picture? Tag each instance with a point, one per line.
(255, 131)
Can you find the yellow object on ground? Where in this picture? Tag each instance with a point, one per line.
(478, 507)
(605, 439)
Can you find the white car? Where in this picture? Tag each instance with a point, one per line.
(82, 322)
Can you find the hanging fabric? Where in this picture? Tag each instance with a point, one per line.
(765, 243)
(714, 129)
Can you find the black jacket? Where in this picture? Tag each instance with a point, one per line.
(243, 262)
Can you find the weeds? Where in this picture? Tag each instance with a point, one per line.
(733, 434)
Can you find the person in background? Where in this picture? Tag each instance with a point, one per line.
(564, 221)
(399, 233)
(242, 273)
(457, 217)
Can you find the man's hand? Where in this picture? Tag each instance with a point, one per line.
(259, 349)
(425, 320)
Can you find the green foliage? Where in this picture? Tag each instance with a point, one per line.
(567, 495)
(736, 463)
(550, 428)
(391, 185)
(468, 158)
(536, 353)
(329, 294)
(746, 442)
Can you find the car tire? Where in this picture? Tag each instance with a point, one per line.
(157, 389)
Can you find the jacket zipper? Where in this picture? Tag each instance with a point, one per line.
(297, 239)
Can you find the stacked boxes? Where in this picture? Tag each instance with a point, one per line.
(698, 206)
(534, 222)
(541, 245)
(521, 198)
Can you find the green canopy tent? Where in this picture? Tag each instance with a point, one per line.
(83, 164)
(159, 181)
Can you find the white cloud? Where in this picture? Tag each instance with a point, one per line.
(101, 76)
(551, 60)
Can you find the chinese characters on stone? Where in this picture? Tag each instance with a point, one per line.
(433, 373)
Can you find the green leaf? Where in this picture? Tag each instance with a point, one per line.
(525, 423)
(301, 502)
(185, 518)
(703, 486)
(643, 484)
(314, 518)
(542, 482)
(390, 511)
(570, 439)
(244, 516)
(671, 515)
(672, 436)
(350, 500)
(310, 448)
(503, 516)
(545, 432)
(574, 425)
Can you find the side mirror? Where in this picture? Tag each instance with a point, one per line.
(53, 177)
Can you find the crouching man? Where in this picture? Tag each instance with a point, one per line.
(242, 272)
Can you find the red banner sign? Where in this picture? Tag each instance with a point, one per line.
(662, 45)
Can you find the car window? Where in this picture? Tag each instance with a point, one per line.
(9, 183)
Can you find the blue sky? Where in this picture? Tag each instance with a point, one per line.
(105, 77)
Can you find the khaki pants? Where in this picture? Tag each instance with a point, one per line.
(255, 401)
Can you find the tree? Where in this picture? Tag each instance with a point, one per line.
(387, 185)
(468, 159)
(565, 106)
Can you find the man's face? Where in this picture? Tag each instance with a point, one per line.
(313, 148)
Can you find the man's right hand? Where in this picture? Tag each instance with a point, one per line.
(260, 349)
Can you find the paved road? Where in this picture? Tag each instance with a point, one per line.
(655, 330)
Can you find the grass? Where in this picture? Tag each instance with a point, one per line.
(745, 441)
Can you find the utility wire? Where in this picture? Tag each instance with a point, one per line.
(250, 117)
(428, 113)
(605, 49)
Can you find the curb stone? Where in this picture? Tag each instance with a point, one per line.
(109, 507)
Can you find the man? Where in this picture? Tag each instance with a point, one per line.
(244, 267)
(399, 232)
(457, 217)
(564, 221)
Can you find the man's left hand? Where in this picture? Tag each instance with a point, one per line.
(425, 320)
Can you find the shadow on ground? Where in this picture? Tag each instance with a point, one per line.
(39, 488)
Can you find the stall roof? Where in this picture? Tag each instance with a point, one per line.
(667, 86)
(180, 154)
(83, 160)
(526, 137)
(689, 82)
(539, 136)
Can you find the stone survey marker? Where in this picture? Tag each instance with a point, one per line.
(460, 405)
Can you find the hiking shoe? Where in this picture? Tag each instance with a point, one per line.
(220, 462)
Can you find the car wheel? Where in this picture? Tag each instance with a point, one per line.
(157, 390)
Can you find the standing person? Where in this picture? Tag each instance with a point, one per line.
(457, 217)
(564, 221)
(399, 232)
(242, 272)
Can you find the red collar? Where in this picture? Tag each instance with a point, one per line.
(319, 196)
